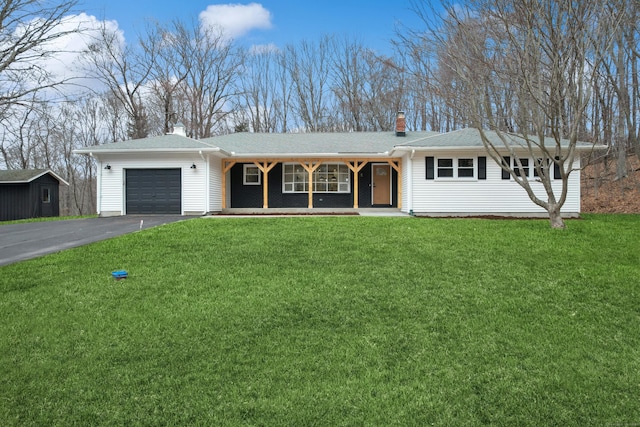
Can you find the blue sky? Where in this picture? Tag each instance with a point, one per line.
(277, 22)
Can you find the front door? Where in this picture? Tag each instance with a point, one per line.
(381, 184)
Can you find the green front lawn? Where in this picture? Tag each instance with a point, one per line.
(329, 321)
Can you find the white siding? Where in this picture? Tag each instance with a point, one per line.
(194, 181)
(215, 184)
(471, 196)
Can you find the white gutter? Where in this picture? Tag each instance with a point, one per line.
(151, 150)
(410, 183)
(476, 147)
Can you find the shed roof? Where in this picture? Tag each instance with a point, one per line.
(23, 176)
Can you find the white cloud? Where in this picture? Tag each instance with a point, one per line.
(64, 58)
(237, 20)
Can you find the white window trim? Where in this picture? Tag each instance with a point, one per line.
(532, 161)
(455, 166)
(315, 173)
(244, 175)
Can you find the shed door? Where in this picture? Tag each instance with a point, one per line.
(46, 201)
(153, 191)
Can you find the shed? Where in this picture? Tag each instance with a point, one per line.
(29, 193)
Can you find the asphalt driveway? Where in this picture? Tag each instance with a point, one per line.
(19, 242)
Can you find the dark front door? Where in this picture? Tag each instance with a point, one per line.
(153, 191)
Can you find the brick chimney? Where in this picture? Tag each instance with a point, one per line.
(400, 124)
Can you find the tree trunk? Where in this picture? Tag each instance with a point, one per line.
(555, 218)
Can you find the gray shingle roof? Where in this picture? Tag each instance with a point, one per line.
(268, 144)
(296, 144)
(470, 138)
(19, 176)
(157, 143)
(328, 143)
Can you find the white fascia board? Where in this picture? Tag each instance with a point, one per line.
(95, 153)
(482, 148)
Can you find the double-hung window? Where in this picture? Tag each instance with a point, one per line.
(251, 175)
(524, 171)
(465, 168)
(460, 167)
(531, 168)
(456, 168)
(445, 168)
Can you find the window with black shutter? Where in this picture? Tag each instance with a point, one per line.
(430, 168)
(506, 162)
(482, 168)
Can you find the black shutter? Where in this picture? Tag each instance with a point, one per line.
(556, 170)
(482, 168)
(507, 162)
(430, 168)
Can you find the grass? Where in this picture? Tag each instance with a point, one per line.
(329, 322)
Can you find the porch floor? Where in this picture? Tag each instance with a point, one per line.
(314, 211)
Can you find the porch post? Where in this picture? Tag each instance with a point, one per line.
(265, 167)
(310, 167)
(356, 167)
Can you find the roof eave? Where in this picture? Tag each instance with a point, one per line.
(93, 152)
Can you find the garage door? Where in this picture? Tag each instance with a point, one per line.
(153, 191)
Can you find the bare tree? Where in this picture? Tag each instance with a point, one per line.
(168, 72)
(211, 62)
(308, 65)
(124, 71)
(259, 95)
(27, 29)
(525, 70)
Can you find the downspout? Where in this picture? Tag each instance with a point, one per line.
(207, 207)
(410, 182)
(98, 185)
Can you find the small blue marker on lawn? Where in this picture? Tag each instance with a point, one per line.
(119, 274)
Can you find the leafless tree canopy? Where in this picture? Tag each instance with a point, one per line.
(549, 71)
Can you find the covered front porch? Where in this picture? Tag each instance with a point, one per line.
(312, 183)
